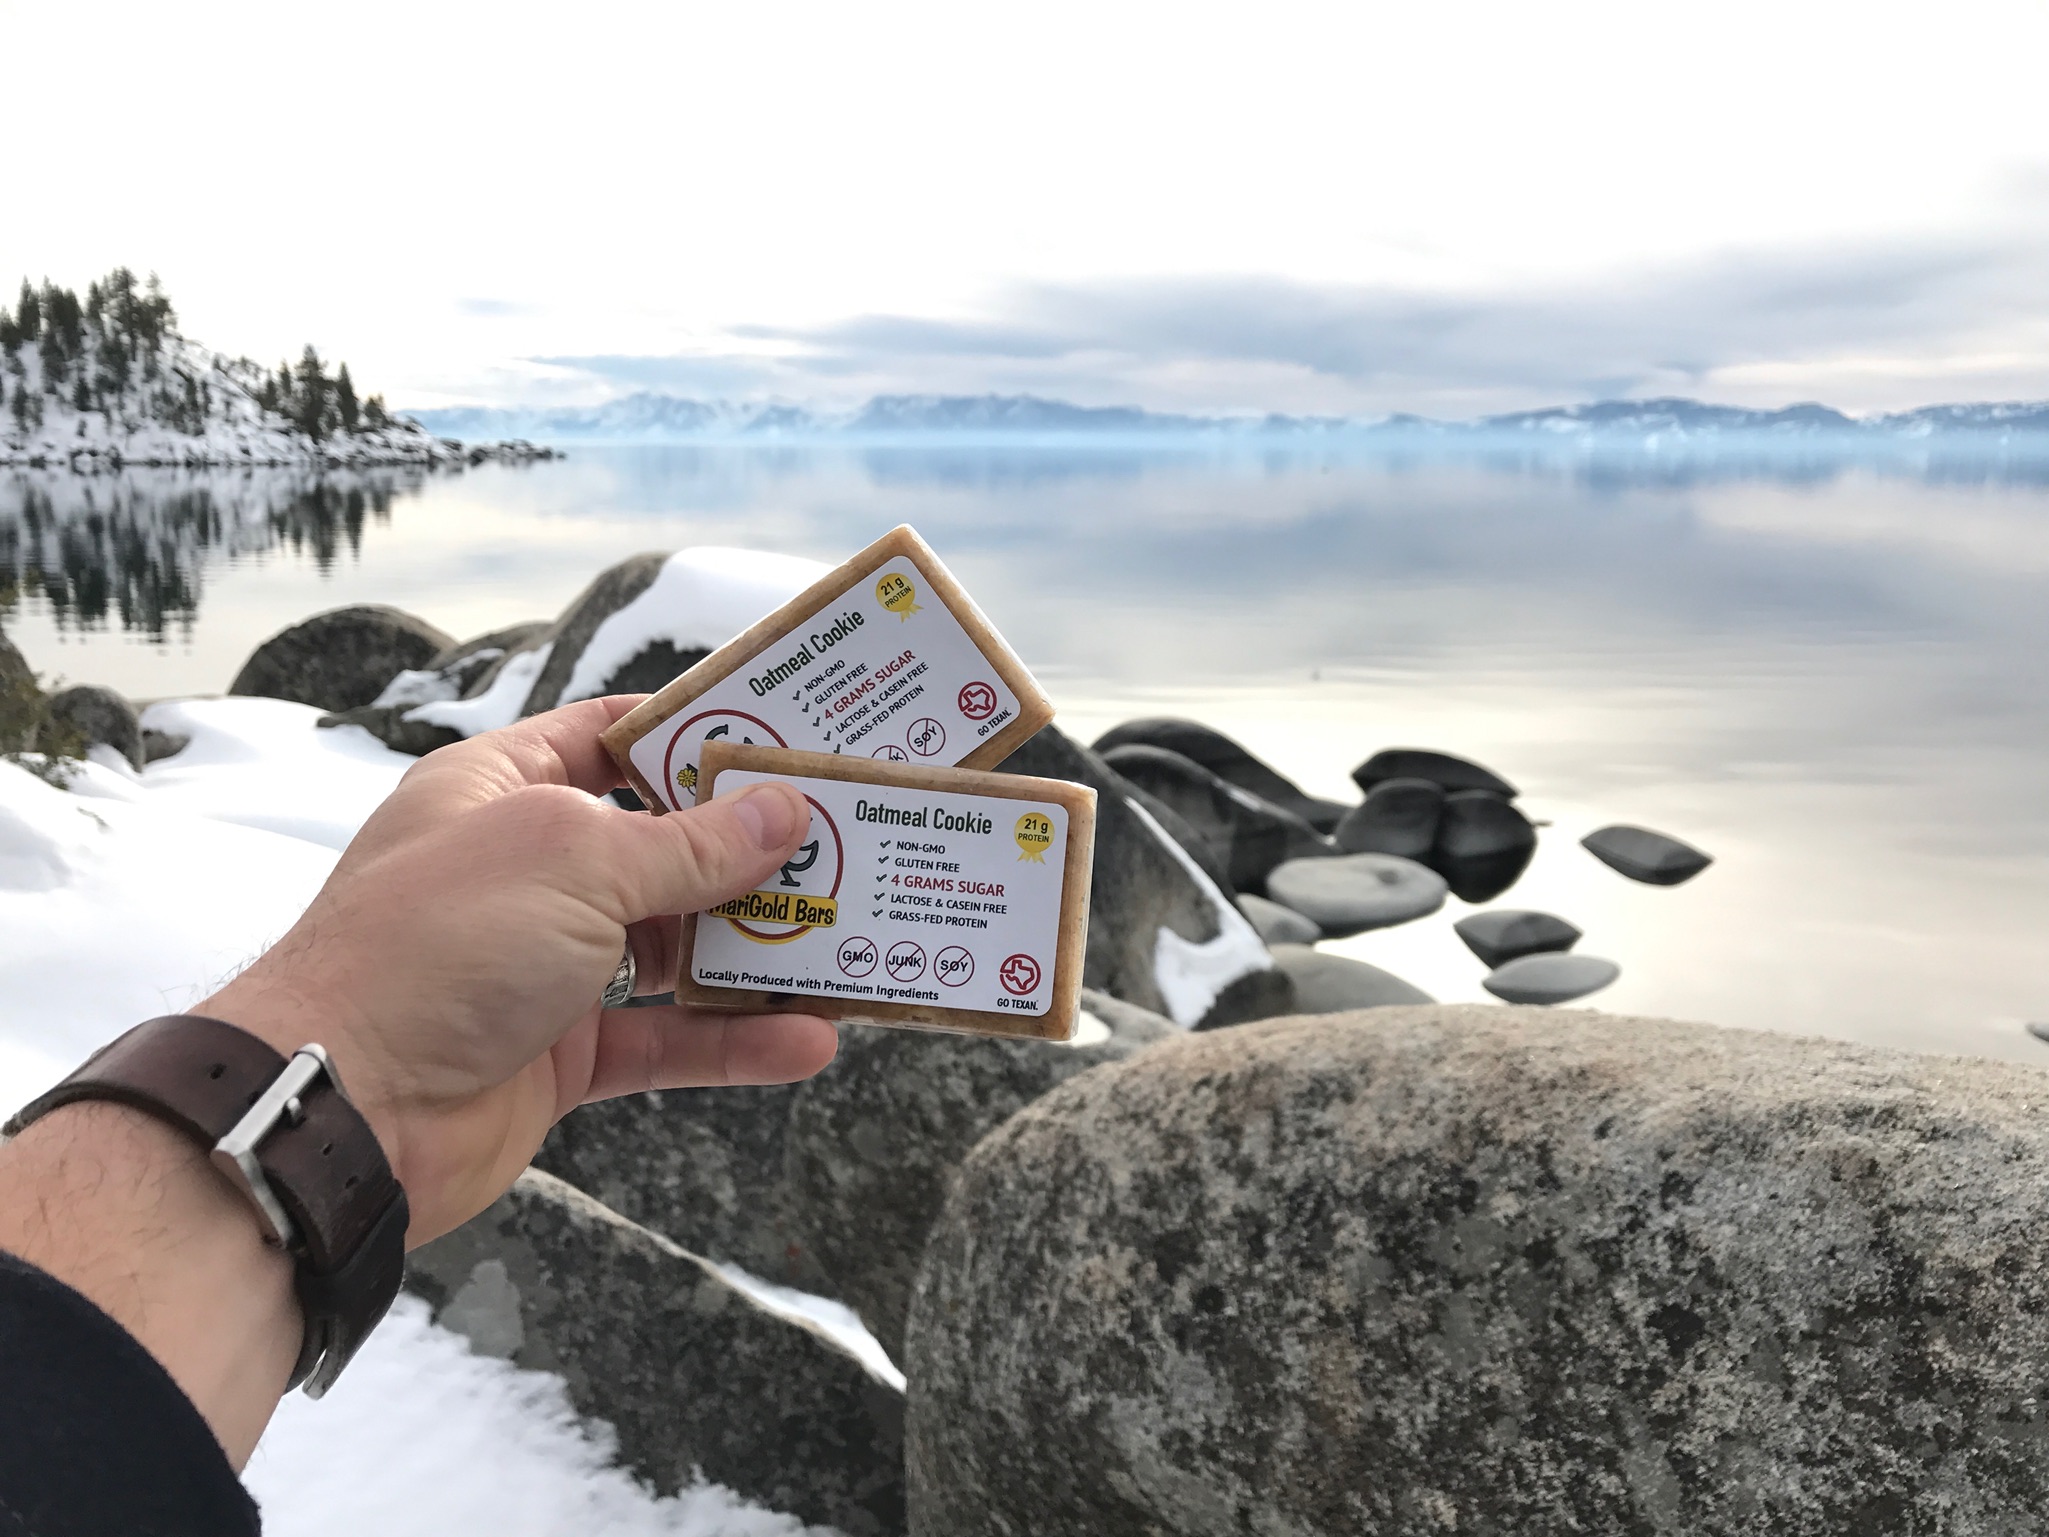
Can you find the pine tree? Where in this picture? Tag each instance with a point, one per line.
(81, 394)
(313, 391)
(375, 416)
(345, 399)
(28, 313)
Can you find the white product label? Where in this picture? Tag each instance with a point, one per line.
(900, 896)
(883, 671)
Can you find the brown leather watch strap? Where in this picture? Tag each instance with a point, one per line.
(318, 1166)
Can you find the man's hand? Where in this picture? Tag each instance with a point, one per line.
(453, 961)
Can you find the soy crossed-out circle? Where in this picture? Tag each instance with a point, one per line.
(954, 965)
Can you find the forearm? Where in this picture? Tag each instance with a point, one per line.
(122, 1208)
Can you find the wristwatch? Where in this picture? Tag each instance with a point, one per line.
(284, 1134)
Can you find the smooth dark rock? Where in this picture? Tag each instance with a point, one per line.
(159, 745)
(703, 1167)
(611, 590)
(1493, 1270)
(1143, 882)
(873, 1143)
(1228, 760)
(1550, 978)
(1278, 925)
(99, 717)
(2038, 1029)
(1643, 855)
(697, 1379)
(1350, 893)
(1334, 984)
(1500, 934)
(1253, 835)
(340, 660)
(461, 671)
(1398, 816)
(1440, 768)
(1483, 845)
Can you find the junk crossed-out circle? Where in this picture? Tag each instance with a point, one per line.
(906, 961)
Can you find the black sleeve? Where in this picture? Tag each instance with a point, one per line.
(95, 1437)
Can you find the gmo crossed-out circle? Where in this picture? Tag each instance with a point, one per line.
(858, 955)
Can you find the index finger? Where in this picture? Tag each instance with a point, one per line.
(560, 747)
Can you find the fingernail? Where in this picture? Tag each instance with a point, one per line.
(769, 813)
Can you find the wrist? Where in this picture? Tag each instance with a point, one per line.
(130, 1213)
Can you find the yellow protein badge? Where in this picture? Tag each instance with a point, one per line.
(1034, 836)
(898, 594)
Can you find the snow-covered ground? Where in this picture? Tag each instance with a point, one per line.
(132, 895)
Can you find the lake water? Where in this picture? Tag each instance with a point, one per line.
(1834, 678)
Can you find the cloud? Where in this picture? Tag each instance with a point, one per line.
(494, 309)
(1833, 319)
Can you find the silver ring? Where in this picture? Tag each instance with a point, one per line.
(621, 986)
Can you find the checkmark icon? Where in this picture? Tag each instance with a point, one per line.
(876, 914)
(882, 859)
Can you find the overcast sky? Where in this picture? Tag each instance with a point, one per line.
(1445, 208)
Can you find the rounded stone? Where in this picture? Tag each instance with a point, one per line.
(1550, 978)
(1350, 893)
(1278, 925)
(1250, 834)
(1500, 934)
(1483, 845)
(1440, 768)
(1228, 760)
(1332, 984)
(1655, 858)
(99, 717)
(340, 660)
(1398, 816)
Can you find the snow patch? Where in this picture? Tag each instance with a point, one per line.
(498, 706)
(422, 1437)
(699, 600)
(835, 1320)
(1191, 976)
(267, 763)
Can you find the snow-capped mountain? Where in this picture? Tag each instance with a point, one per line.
(648, 417)
(109, 380)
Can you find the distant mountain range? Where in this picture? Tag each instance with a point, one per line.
(648, 417)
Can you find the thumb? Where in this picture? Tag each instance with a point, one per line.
(689, 860)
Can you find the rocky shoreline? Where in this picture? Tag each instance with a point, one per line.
(368, 451)
(1278, 1243)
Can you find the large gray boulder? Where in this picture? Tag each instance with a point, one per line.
(342, 659)
(703, 1167)
(655, 664)
(874, 1141)
(94, 716)
(1481, 1269)
(697, 1378)
(1146, 885)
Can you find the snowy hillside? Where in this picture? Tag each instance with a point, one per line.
(109, 381)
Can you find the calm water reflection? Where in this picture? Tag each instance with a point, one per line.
(1831, 675)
